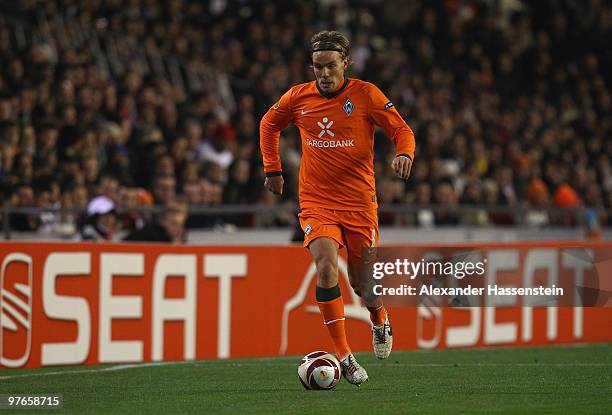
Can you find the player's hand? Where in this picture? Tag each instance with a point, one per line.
(275, 184)
(402, 166)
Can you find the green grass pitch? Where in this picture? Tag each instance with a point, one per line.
(551, 380)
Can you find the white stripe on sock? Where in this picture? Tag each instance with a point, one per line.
(333, 321)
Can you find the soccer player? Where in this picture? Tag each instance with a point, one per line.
(336, 116)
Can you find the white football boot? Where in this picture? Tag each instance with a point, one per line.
(352, 371)
(382, 339)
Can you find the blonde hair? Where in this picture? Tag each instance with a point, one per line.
(330, 40)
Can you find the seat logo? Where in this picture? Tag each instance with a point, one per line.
(325, 127)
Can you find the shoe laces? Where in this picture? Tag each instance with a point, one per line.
(350, 366)
(379, 332)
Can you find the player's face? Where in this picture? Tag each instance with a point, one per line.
(329, 68)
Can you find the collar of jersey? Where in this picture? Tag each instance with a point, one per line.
(336, 92)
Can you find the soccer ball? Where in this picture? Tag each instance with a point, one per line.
(319, 370)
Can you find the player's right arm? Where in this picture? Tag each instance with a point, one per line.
(276, 119)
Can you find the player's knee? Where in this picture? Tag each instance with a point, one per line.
(327, 271)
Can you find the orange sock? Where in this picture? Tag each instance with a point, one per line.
(378, 315)
(333, 316)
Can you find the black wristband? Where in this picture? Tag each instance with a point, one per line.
(274, 173)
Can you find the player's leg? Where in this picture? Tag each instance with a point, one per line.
(361, 235)
(324, 253)
(323, 238)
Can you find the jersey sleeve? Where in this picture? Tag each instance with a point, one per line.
(276, 119)
(384, 114)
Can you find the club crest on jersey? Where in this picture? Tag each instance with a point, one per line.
(307, 229)
(348, 107)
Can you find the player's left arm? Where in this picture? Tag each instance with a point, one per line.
(384, 114)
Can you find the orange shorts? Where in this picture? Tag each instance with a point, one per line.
(354, 229)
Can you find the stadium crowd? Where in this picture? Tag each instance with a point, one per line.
(150, 102)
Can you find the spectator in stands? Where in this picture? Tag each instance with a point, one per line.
(237, 189)
(169, 227)
(425, 215)
(567, 199)
(472, 198)
(538, 197)
(109, 186)
(101, 223)
(446, 204)
(164, 189)
(23, 197)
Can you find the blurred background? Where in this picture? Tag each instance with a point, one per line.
(139, 118)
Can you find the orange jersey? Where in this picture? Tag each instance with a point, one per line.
(337, 133)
